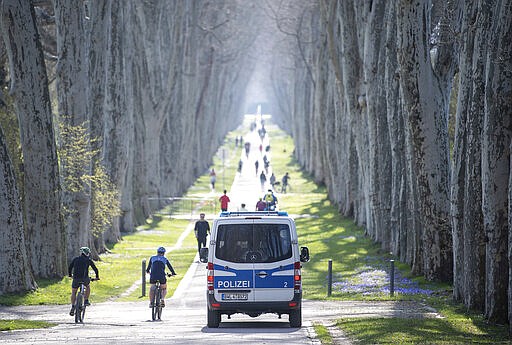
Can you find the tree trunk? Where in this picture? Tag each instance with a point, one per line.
(378, 137)
(118, 130)
(98, 34)
(15, 271)
(398, 210)
(29, 86)
(496, 160)
(352, 74)
(425, 99)
(72, 87)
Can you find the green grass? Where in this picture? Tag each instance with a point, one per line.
(10, 325)
(322, 334)
(421, 331)
(224, 168)
(121, 267)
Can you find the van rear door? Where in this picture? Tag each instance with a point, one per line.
(274, 269)
(233, 270)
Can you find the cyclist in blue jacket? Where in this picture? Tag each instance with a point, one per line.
(156, 270)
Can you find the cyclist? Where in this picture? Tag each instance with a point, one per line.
(270, 200)
(79, 270)
(156, 266)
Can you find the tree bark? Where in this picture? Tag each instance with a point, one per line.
(15, 271)
(466, 209)
(73, 98)
(98, 34)
(496, 160)
(425, 99)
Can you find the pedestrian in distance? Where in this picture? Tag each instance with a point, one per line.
(79, 270)
(240, 164)
(257, 164)
(272, 180)
(263, 180)
(242, 208)
(213, 178)
(261, 205)
(224, 201)
(247, 147)
(201, 230)
(267, 165)
(284, 182)
(156, 270)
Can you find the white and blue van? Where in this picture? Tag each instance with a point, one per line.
(254, 266)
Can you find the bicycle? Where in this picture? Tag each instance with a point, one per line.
(80, 302)
(156, 303)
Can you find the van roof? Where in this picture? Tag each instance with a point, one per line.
(253, 213)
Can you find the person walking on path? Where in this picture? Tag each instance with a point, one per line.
(263, 179)
(257, 165)
(242, 208)
(213, 178)
(261, 205)
(201, 230)
(247, 147)
(284, 182)
(224, 200)
(272, 180)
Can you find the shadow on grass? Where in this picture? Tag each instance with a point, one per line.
(418, 331)
(11, 299)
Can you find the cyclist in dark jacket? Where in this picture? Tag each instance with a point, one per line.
(156, 268)
(79, 270)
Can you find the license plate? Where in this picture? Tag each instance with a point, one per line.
(235, 297)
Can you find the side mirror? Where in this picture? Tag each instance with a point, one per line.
(203, 255)
(304, 254)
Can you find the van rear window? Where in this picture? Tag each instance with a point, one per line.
(253, 243)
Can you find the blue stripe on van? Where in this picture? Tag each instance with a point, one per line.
(243, 278)
(274, 282)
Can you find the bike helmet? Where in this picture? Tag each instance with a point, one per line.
(161, 250)
(85, 250)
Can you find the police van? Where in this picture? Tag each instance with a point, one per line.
(254, 266)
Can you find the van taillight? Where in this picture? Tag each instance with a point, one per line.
(209, 278)
(297, 277)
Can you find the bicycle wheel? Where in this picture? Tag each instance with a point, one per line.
(155, 302)
(78, 307)
(159, 306)
(82, 313)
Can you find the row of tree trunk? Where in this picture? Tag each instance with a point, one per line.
(369, 110)
(154, 87)
(364, 87)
